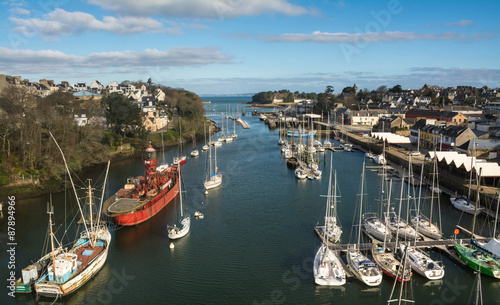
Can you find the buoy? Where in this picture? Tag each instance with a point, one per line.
(172, 245)
(202, 202)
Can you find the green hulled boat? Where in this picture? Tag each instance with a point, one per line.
(478, 259)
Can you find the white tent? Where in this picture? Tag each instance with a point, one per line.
(488, 169)
(391, 138)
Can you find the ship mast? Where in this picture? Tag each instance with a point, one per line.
(90, 212)
(72, 184)
(50, 211)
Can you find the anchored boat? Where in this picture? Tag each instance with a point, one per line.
(143, 197)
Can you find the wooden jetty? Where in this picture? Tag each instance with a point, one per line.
(445, 246)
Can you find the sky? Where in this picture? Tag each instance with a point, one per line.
(247, 46)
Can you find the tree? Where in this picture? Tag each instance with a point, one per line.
(382, 89)
(329, 89)
(289, 98)
(150, 83)
(396, 89)
(122, 114)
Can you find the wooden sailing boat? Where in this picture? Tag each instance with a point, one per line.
(182, 227)
(71, 269)
(32, 273)
(213, 177)
(362, 267)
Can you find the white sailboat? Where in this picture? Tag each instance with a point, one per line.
(195, 152)
(380, 159)
(300, 173)
(395, 222)
(327, 268)
(205, 146)
(182, 228)
(463, 203)
(424, 223)
(362, 267)
(327, 144)
(213, 178)
(180, 159)
(331, 225)
(371, 221)
(422, 263)
(72, 268)
(385, 259)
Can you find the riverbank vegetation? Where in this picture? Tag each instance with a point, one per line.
(29, 159)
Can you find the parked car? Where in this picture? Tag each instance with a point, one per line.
(415, 153)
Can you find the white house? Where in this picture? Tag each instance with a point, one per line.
(159, 95)
(80, 87)
(96, 86)
(114, 87)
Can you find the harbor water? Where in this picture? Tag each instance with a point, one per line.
(256, 244)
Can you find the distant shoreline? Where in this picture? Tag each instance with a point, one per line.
(280, 105)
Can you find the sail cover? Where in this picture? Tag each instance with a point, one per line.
(493, 246)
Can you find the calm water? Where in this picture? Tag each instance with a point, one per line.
(255, 246)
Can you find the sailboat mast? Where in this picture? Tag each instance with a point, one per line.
(162, 148)
(90, 212)
(103, 192)
(436, 187)
(399, 210)
(361, 202)
(72, 184)
(496, 219)
(418, 205)
(210, 152)
(471, 166)
(478, 178)
(50, 211)
(388, 209)
(180, 190)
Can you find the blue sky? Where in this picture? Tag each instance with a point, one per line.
(247, 46)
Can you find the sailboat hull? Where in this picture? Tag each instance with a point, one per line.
(55, 290)
(327, 268)
(83, 253)
(213, 182)
(478, 260)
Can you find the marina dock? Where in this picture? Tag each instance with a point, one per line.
(444, 246)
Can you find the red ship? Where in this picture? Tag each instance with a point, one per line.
(144, 196)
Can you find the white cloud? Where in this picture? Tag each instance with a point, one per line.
(19, 11)
(360, 38)
(203, 9)
(60, 22)
(29, 61)
(460, 23)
